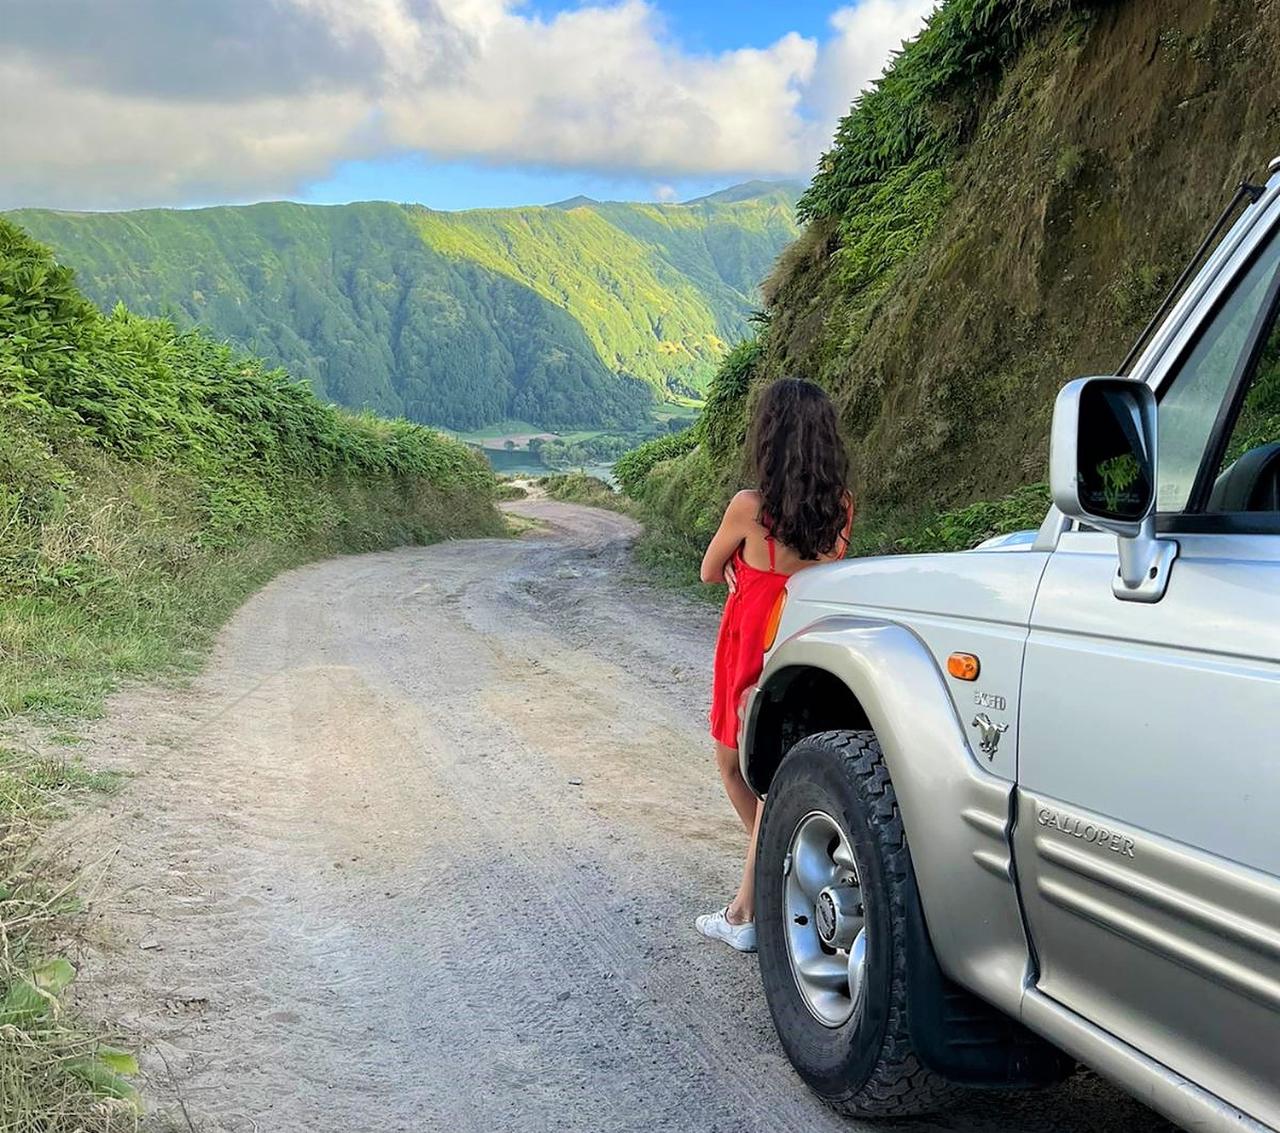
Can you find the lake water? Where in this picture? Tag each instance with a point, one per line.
(520, 463)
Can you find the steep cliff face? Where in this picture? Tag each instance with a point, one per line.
(1023, 236)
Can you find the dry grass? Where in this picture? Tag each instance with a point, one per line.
(56, 1076)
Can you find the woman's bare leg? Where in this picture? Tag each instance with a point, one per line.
(735, 786)
(743, 907)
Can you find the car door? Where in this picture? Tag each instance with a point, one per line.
(1148, 825)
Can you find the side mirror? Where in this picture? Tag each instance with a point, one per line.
(1102, 470)
(1102, 454)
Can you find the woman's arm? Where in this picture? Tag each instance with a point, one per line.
(737, 521)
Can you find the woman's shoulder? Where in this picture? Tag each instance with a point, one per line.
(744, 509)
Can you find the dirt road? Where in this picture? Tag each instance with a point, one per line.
(421, 850)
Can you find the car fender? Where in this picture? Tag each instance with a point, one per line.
(957, 815)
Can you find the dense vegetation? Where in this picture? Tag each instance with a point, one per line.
(565, 453)
(149, 478)
(997, 215)
(567, 316)
(632, 468)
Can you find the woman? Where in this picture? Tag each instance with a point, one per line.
(800, 515)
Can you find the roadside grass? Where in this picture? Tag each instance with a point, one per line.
(518, 525)
(580, 488)
(507, 490)
(154, 604)
(56, 1075)
(671, 559)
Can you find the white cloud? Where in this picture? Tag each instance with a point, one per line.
(602, 87)
(866, 35)
(665, 193)
(75, 148)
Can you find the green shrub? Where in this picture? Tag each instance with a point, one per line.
(891, 221)
(724, 417)
(579, 488)
(681, 508)
(633, 468)
(966, 527)
(905, 118)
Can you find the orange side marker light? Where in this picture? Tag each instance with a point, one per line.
(775, 618)
(963, 666)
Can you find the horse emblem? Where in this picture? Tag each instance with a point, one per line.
(989, 732)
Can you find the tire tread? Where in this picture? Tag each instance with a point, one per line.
(898, 1085)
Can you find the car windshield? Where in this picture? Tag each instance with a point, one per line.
(1190, 403)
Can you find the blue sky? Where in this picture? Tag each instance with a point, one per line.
(722, 25)
(452, 104)
(416, 179)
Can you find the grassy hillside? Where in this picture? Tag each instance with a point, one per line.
(1001, 213)
(149, 479)
(562, 316)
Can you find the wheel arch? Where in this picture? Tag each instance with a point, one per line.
(848, 672)
(795, 701)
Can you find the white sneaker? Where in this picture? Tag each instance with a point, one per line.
(717, 926)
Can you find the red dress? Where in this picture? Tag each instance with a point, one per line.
(740, 646)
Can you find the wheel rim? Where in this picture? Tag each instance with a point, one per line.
(826, 930)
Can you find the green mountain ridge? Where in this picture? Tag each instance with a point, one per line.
(573, 315)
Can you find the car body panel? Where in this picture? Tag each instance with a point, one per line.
(994, 590)
(1160, 724)
(1180, 1099)
(1180, 693)
(1172, 951)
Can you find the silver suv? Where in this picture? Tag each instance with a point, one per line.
(1023, 802)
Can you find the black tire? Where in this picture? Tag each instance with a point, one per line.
(868, 1066)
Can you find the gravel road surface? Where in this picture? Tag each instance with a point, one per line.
(421, 849)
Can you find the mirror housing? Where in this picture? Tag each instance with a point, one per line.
(1102, 453)
(1102, 471)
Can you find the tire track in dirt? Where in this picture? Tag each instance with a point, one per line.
(354, 887)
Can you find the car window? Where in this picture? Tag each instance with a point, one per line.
(1189, 409)
(1258, 425)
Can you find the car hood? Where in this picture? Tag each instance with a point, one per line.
(992, 583)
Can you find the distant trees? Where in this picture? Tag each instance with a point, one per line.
(602, 449)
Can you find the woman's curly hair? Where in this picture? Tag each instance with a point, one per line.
(801, 467)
